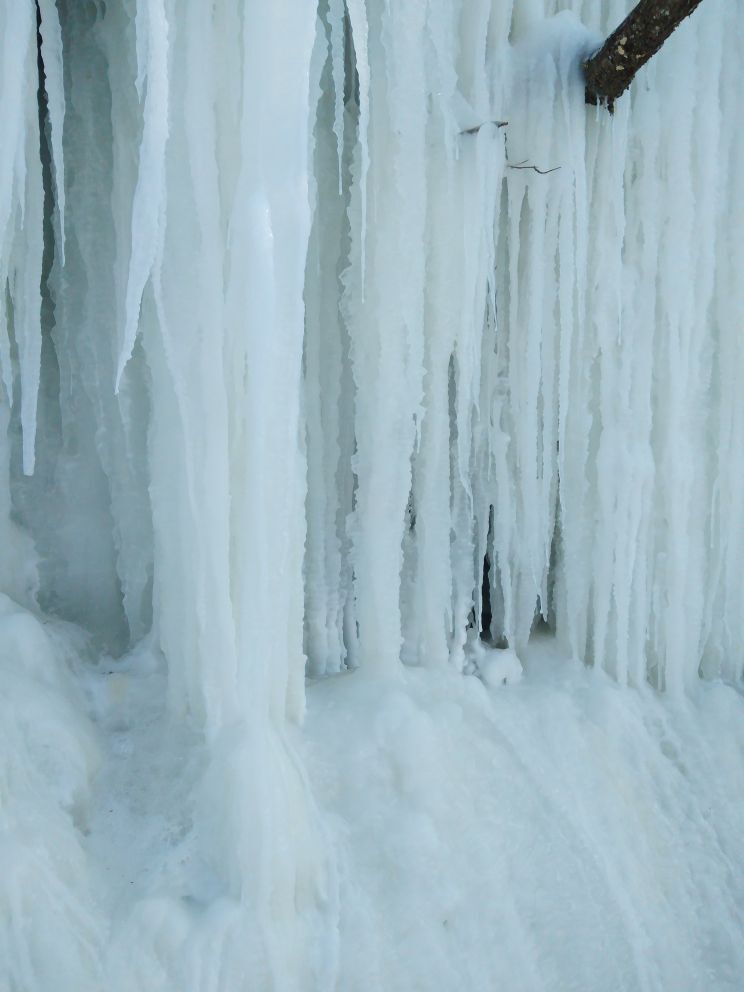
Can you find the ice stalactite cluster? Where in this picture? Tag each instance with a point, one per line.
(324, 309)
(535, 371)
(307, 315)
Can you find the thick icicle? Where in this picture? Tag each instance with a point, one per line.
(21, 215)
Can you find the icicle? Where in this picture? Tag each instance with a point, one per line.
(51, 53)
(24, 258)
(323, 377)
(15, 28)
(148, 207)
(358, 22)
(26, 294)
(336, 16)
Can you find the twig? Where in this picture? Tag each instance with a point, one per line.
(476, 129)
(534, 168)
(517, 165)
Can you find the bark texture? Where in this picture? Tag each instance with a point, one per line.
(609, 71)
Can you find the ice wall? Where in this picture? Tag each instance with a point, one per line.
(532, 357)
(334, 289)
(306, 314)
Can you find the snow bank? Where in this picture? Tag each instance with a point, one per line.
(559, 833)
(50, 933)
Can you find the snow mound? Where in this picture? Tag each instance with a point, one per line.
(566, 834)
(50, 934)
(494, 666)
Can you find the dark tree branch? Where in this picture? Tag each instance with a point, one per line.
(609, 71)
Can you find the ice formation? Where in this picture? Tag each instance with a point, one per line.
(311, 364)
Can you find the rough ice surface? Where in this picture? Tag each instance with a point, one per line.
(371, 487)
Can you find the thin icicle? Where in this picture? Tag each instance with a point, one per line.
(148, 217)
(51, 53)
(336, 18)
(25, 274)
(359, 28)
(26, 295)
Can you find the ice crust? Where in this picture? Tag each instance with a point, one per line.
(295, 334)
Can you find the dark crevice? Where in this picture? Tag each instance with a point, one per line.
(486, 623)
(47, 306)
(486, 615)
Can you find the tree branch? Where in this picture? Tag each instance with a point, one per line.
(609, 71)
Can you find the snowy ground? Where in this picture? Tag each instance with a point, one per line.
(561, 833)
(557, 832)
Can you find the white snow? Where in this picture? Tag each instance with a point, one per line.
(494, 666)
(50, 930)
(556, 834)
(304, 315)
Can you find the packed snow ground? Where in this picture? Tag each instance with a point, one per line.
(548, 833)
(554, 834)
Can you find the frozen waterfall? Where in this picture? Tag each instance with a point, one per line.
(345, 338)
